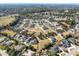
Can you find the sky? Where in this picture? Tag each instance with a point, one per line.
(40, 1)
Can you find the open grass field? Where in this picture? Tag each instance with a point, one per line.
(8, 32)
(6, 20)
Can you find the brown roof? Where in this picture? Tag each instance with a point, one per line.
(58, 37)
(65, 34)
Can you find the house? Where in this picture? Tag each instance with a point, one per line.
(53, 40)
(65, 24)
(60, 18)
(77, 35)
(35, 46)
(2, 39)
(57, 49)
(64, 54)
(3, 53)
(71, 31)
(71, 40)
(9, 43)
(58, 37)
(28, 39)
(65, 34)
(34, 41)
(74, 50)
(65, 43)
(18, 47)
(28, 53)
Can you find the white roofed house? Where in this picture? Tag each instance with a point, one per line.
(77, 27)
(60, 18)
(28, 53)
(71, 31)
(3, 53)
(73, 50)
